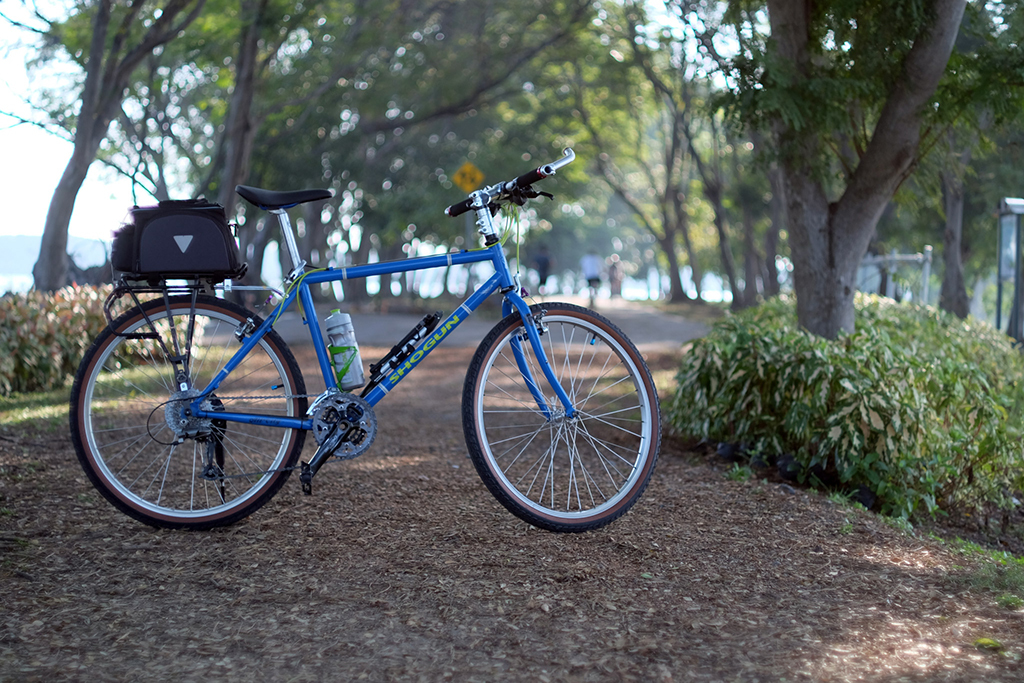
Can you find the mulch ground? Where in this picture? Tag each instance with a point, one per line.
(402, 567)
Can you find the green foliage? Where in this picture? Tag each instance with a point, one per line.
(923, 409)
(1010, 601)
(999, 573)
(740, 472)
(43, 336)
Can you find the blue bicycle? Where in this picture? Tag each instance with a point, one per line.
(189, 411)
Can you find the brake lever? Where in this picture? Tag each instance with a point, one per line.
(519, 195)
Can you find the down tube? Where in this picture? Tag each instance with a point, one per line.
(435, 339)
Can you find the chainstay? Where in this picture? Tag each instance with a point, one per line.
(263, 472)
(264, 398)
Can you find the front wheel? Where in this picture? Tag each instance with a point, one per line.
(126, 408)
(558, 472)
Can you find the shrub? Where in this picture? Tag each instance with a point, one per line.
(44, 336)
(920, 407)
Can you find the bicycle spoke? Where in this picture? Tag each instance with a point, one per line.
(588, 461)
(124, 424)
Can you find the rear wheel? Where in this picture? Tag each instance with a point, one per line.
(556, 472)
(143, 457)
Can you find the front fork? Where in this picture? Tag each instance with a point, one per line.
(534, 328)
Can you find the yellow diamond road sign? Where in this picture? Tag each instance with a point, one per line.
(468, 177)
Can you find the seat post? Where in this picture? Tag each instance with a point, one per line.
(289, 239)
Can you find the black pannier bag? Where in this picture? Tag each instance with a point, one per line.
(188, 239)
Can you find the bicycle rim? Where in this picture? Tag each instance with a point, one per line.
(565, 474)
(137, 460)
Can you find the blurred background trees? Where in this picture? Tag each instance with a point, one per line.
(696, 132)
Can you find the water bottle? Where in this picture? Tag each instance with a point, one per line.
(341, 344)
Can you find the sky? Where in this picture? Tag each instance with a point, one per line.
(33, 161)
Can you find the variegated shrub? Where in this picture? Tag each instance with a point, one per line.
(44, 336)
(920, 407)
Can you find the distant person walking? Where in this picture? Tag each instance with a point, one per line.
(615, 275)
(590, 266)
(543, 262)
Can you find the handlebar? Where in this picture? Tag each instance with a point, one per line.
(460, 208)
(505, 189)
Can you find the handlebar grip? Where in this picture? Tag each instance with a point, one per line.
(530, 177)
(546, 170)
(460, 208)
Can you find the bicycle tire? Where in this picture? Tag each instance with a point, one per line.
(596, 466)
(120, 423)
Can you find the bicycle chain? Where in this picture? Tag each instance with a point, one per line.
(265, 398)
(279, 469)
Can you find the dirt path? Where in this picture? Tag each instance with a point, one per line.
(401, 567)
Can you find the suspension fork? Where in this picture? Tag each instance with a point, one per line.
(515, 302)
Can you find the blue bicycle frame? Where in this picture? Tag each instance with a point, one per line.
(502, 280)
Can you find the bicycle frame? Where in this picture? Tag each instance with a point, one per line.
(502, 280)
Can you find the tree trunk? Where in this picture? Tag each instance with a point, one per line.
(680, 223)
(106, 78)
(771, 241)
(668, 247)
(239, 128)
(51, 269)
(50, 272)
(953, 295)
(713, 187)
(751, 259)
(823, 275)
(827, 239)
(696, 274)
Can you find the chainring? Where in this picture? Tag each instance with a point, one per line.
(345, 422)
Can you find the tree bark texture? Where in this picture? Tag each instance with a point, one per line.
(828, 239)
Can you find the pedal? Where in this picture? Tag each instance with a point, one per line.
(306, 478)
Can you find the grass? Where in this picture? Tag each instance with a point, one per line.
(739, 472)
(49, 407)
(995, 572)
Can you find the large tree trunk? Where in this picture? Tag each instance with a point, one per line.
(953, 295)
(827, 239)
(751, 259)
(237, 143)
(107, 73)
(239, 127)
(51, 269)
